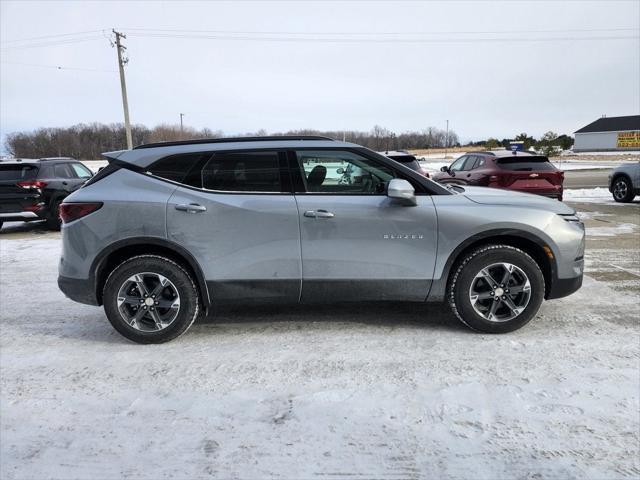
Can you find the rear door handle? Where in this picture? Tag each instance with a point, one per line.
(191, 208)
(318, 214)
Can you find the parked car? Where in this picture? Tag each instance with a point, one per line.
(406, 159)
(166, 231)
(624, 182)
(520, 171)
(34, 189)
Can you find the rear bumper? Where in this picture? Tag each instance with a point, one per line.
(556, 193)
(78, 290)
(19, 217)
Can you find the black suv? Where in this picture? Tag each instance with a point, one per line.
(34, 189)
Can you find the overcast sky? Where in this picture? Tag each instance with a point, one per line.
(404, 65)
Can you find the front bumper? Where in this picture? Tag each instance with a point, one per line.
(78, 290)
(563, 287)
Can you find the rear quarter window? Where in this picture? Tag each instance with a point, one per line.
(181, 168)
(18, 172)
(527, 164)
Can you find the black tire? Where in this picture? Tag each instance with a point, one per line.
(1, 222)
(53, 220)
(464, 274)
(622, 190)
(190, 306)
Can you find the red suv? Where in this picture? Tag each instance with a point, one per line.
(519, 171)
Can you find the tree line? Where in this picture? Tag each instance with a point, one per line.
(88, 141)
(548, 144)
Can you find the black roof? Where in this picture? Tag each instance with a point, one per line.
(612, 124)
(274, 138)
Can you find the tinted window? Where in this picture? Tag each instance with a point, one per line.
(475, 161)
(178, 167)
(403, 158)
(342, 172)
(525, 164)
(81, 170)
(243, 172)
(61, 170)
(18, 172)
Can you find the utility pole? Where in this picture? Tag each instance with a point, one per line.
(122, 61)
(181, 127)
(446, 141)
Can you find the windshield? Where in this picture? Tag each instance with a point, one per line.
(17, 172)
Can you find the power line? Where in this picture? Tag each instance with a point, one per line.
(51, 36)
(58, 67)
(54, 43)
(405, 33)
(383, 40)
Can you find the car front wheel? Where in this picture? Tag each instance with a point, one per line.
(151, 299)
(622, 190)
(496, 289)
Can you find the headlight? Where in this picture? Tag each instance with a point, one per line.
(573, 220)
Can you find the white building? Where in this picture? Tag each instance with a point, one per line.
(609, 134)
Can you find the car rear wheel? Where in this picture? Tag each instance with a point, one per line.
(53, 221)
(496, 289)
(151, 299)
(622, 190)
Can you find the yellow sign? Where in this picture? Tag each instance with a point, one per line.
(629, 139)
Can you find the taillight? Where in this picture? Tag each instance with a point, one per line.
(32, 184)
(73, 211)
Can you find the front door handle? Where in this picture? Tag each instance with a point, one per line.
(191, 208)
(318, 214)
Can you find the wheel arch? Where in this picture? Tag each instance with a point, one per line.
(118, 252)
(617, 176)
(529, 243)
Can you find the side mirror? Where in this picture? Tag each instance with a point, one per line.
(340, 171)
(402, 191)
(444, 169)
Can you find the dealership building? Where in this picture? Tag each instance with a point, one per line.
(609, 134)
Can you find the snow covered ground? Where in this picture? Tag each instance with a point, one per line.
(600, 195)
(367, 391)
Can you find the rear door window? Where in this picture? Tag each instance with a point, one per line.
(243, 172)
(525, 164)
(62, 170)
(478, 163)
(17, 172)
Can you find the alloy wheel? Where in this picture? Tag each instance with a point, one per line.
(620, 189)
(500, 292)
(148, 302)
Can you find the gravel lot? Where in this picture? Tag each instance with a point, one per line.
(374, 391)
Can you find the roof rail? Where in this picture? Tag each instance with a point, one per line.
(274, 138)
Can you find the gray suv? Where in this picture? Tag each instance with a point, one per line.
(166, 231)
(624, 182)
